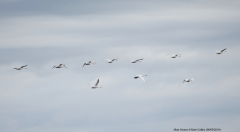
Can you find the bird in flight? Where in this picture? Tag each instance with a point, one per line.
(135, 61)
(60, 66)
(20, 68)
(111, 61)
(96, 85)
(189, 80)
(174, 56)
(89, 63)
(222, 51)
(140, 76)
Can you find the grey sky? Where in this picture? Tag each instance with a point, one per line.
(45, 33)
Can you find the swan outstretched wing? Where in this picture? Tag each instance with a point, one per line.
(192, 80)
(83, 65)
(142, 78)
(223, 49)
(23, 66)
(115, 59)
(108, 60)
(97, 82)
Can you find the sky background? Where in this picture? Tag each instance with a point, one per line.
(45, 33)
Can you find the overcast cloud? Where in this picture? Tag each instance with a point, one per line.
(45, 33)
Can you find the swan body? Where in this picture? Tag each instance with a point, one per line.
(140, 76)
(189, 80)
(135, 61)
(96, 85)
(111, 61)
(20, 68)
(60, 66)
(89, 63)
(222, 51)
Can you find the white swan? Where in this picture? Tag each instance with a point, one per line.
(174, 56)
(135, 61)
(93, 87)
(140, 76)
(60, 66)
(189, 80)
(111, 61)
(89, 63)
(20, 68)
(222, 51)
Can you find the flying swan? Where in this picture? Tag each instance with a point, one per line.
(111, 61)
(89, 63)
(174, 56)
(140, 76)
(135, 61)
(189, 80)
(93, 87)
(222, 51)
(60, 66)
(20, 68)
